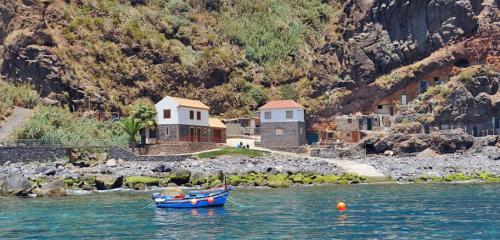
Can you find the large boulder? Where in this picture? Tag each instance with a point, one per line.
(107, 182)
(17, 185)
(51, 189)
(180, 176)
(278, 181)
(451, 142)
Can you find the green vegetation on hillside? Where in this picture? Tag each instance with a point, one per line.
(233, 55)
(12, 95)
(59, 125)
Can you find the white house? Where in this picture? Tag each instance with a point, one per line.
(282, 124)
(181, 119)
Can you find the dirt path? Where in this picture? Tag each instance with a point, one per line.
(17, 119)
(348, 166)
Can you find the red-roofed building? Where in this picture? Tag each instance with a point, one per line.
(282, 124)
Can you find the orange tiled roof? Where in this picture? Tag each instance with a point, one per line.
(281, 104)
(189, 103)
(215, 123)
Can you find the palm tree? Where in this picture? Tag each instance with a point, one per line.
(146, 115)
(131, 126)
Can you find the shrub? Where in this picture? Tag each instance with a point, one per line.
(59, 125)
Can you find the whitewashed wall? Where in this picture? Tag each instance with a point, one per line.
(183, 114)
(167, 103)
(279, 115)
(179, 114)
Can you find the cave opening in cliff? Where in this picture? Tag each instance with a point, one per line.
(462, 63)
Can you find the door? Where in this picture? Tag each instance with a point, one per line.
(391, 110)
(192, 135)
(497, 123)
(217, 137)
(404, 99)
(475, 132)
(198, 134)
(369, 124)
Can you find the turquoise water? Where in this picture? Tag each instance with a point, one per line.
(461, 211)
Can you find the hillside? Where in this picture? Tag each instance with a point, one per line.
(233, 55)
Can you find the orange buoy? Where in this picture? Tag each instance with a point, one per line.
(194, 201)
(210, 200)
(341, 206)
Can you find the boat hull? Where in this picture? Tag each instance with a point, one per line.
(219, 200)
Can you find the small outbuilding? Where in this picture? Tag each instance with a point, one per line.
(282, 124)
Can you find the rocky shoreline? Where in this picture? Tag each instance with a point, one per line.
(272, 170)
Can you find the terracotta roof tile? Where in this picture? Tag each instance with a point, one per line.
(281, 104)
(189, 103)
(215, 123)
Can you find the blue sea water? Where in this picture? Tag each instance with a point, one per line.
(432, 211)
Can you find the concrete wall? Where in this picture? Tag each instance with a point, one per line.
(32, 154)
(294, 134)
(279, 115)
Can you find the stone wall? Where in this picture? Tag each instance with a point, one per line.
(32, 153)
(177, 148)
(167, 132)
(129, 155)
(292, 135)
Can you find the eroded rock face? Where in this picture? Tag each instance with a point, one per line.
(381, 35)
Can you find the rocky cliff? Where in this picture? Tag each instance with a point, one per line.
(328, 55)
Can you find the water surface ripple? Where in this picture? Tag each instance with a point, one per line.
(451, 211)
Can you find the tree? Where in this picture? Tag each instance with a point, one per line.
(146, 115)
(131, 126)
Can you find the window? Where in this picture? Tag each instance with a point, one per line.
(301, 130)
(191, 115)
(497, 123)
(279, 131)
(330, 135)
(289, 114)
(380, 107)
(198, 115)
(267, 115)
(166, 113)
(349, 120)
(348, 134)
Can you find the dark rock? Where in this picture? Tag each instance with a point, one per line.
(107, 182)
(54, 188)
(16, 185)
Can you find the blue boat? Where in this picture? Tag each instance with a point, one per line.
(194, 199)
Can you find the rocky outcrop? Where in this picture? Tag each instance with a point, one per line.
(381, 35)
(17, 185)
(403, 143)
(472, 99)
(54, 188)
(107, 182)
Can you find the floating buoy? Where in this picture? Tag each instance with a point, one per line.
(194, 201)
(210, 200)
(341, 206)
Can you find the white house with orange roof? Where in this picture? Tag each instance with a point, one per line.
(186, 120)
(282, 124)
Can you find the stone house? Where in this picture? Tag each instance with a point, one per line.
(242, 126)
(185, 120)
(403, 97)
(282, 124)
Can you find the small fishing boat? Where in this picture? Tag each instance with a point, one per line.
(194, 199)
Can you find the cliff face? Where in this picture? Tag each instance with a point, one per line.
(381, 35)
(236, 55)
